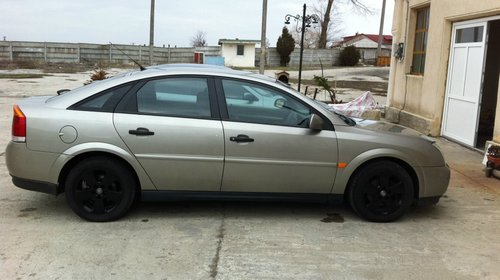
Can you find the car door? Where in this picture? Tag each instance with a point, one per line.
(172, 126)
(269, 147)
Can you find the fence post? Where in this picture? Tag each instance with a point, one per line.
(11, 52)
(140, 53)
(79, 53)
(45, 52)
(109, 53)
(168, 53)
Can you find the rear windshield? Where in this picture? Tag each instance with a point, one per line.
(94, 83)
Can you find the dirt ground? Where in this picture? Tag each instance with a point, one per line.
(41, 238)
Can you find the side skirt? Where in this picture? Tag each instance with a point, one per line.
(156, 196)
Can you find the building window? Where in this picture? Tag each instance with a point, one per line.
(420, 44)
(240, 49)
(469, 35)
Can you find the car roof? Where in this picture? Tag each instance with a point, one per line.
(205, 69)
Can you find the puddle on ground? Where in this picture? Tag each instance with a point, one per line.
(333, 218)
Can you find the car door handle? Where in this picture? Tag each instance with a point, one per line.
(141, 131)
(241, 138)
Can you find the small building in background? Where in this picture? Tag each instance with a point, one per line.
(367, 45)
(238, 52)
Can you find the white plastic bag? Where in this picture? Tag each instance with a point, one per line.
(356, 107)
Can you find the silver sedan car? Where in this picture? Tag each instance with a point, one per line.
(178, 132)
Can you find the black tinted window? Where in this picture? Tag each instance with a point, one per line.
(185, 97)
(105, 101)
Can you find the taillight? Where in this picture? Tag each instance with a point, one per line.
(18, 125)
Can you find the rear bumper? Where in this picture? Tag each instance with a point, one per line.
(28, 164)
(36, 186)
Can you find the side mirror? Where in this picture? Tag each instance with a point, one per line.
(250, 97)
(279, 103)
(315, 122)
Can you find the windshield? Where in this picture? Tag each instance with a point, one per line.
(330, 109)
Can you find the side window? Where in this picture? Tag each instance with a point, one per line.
(104, 101)
(183, 97)
(248, 102)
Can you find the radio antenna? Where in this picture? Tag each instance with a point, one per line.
(140, 66)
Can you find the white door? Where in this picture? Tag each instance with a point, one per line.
(464, 85)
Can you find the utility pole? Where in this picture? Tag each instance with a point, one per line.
(381, 30)
(263, 47)
(151, 32)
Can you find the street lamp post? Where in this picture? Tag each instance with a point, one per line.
(306, 22)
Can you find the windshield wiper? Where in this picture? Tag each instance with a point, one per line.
(346, 119)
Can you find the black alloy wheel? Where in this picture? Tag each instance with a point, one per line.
(381, 191)
(100, 189)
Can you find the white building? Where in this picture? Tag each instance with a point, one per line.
(238, 53)
(367, 45)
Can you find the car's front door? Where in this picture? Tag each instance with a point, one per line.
(269, 147)
(172, 127)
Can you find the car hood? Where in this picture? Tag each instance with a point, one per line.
(382, 126)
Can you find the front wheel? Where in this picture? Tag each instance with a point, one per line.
(381, 191)
(100, 189)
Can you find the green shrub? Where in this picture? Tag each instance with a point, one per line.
(349, 56)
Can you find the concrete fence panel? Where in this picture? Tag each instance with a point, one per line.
(121, 54)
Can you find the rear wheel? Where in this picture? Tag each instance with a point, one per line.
(381, 191)
(100, 189)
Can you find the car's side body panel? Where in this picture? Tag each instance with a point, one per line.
(280, 159)
(183, 154)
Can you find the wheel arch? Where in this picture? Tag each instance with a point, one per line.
(75, 154)
(402, 163)
(345, 175)
(80, 157)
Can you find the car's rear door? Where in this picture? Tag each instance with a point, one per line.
(172, 126)
(269, 147)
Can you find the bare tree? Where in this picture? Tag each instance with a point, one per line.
(199, 39)
(330, 18)
(312, 36)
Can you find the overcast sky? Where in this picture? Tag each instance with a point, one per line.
(127, 21)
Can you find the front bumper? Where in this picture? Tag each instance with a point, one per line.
(436, 181)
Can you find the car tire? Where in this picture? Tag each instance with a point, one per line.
(100, 189)
(381, 191)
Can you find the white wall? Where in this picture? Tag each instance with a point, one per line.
(228, 51)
